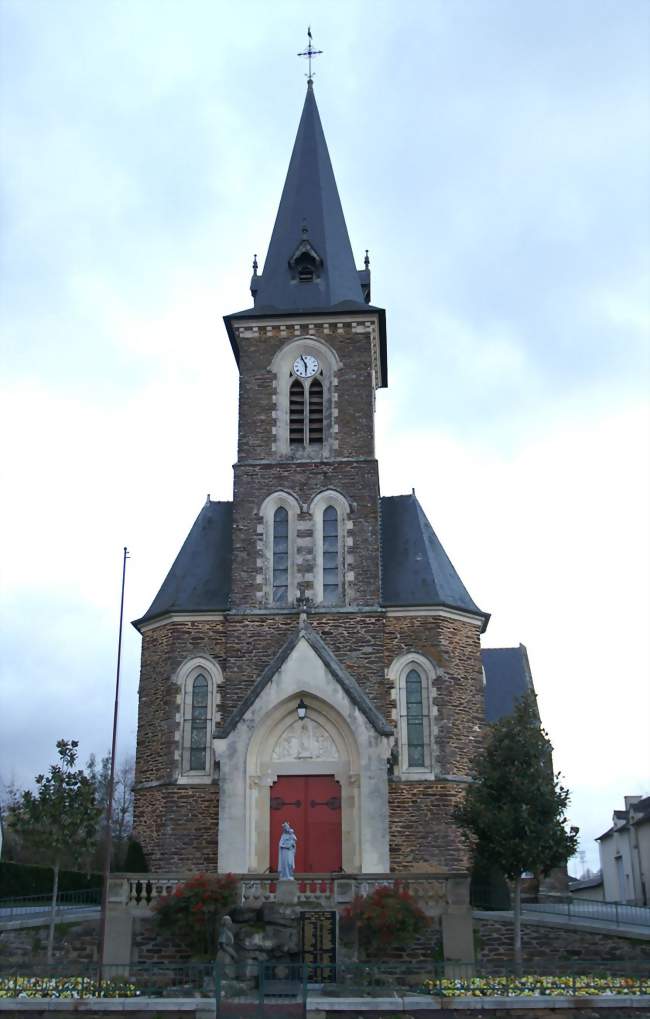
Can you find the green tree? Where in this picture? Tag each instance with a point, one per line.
(60, 818)
(515, 812)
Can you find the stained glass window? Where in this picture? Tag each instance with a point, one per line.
(280, 556)
(199, 724)
(415, 719)
(331, 571)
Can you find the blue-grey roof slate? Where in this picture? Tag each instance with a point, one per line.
(416, 570)
(199, 579)
(309, 208)
(507, 678)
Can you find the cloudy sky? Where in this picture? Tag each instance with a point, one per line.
(493, 156)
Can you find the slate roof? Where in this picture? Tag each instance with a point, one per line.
(636, 813)
(310, 201)
(507, 678)
(199, 579)
(310, 210)
(416, 570)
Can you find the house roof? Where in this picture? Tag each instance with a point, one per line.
(507, 678)
(637, 813)
(416, 570)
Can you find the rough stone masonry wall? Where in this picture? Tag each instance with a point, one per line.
(354, 391)
(73, 943)
(422, 831)
(177, 825)
(539, 943)
(358, 482)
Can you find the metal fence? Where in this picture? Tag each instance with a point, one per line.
(32, 905)
(573, 908)
(282, 989)
(618, 914)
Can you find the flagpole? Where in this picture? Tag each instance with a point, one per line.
(111, 785)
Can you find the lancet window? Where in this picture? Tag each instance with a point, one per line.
(280, 556)
(331, 556)
(198, 680)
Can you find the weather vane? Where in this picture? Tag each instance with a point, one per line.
(310, 52)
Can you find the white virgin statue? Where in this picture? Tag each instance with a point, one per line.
(287, 855)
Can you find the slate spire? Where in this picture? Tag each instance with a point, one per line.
(309, 264)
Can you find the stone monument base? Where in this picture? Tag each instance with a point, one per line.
(287, 893)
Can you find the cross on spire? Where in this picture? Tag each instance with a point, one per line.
(310, 53)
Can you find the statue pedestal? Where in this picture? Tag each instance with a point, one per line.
(287, 893)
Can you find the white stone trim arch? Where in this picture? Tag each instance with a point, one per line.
(281, 366)
(320, 502)
(245, 778)
(262, 770)
(396, 674)
(265, 546)
(184, 679)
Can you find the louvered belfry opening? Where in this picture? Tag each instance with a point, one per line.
(296, 414)
(316, 413)
(306, 413)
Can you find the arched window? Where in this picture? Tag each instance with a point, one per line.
(333, 549)
(413, 676)
(331, 564)
(415, 719)
(280, 556)
(198, 726)
(198, 680)
(305, 397)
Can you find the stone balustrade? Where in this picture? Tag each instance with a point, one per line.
(435, 892)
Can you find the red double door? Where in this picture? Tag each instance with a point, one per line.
(312, 806)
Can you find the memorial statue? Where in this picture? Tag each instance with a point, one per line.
(226, 952)
(287, 854)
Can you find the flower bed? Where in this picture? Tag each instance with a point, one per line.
(532, 986)
(65, 987)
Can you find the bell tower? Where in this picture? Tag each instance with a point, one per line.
(311, 353)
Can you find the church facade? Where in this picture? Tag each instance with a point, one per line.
(312, 655)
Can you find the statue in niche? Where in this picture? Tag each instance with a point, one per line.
(287, 852)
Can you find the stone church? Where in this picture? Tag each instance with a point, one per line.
(312, 655)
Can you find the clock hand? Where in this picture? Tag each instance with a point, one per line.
(305, 363)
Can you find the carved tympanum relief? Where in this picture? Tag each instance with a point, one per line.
(305, 739)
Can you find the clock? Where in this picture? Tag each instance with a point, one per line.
(305, 366)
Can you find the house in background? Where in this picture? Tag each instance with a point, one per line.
(625, 853)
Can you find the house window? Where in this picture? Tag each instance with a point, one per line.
(198, 724)
(331, 566)
(280, 556)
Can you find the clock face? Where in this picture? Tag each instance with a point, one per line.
(305, 366)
